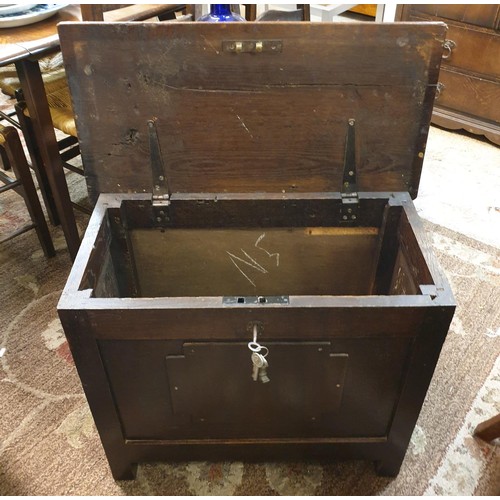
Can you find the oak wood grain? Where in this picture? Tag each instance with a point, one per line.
(252, 122)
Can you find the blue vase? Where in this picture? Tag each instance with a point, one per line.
(220, 13)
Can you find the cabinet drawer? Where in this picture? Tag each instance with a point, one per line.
(474, 50)
(479, 15)
(468, 94)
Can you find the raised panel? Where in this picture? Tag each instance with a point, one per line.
(211, 383)
(331, 388)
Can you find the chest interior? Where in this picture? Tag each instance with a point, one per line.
(246, 251)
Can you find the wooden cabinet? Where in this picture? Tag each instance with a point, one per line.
(469, 90)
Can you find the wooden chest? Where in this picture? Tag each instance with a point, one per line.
(256, 184)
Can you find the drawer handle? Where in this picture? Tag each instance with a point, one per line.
(448, 45)
(439, 88)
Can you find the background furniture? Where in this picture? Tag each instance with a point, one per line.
(22, 183)
(56, 86)
(24, 46)
(469, 91)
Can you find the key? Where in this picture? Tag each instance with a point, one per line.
(263, 375)
(258, 362)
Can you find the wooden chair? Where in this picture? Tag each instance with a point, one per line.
(54, 79)
(23, 184)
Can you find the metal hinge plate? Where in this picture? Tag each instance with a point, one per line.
(349, 192)
(160, 189)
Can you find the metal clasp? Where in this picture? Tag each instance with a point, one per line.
(448, 45)
(439, 88)
(252, 46)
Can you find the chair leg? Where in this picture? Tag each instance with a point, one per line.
(5, 159)
(306, 11)
(250, 11)
(36, 162)
(21, 170)
(488, 430)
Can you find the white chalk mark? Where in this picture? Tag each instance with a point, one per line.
(252, 262)
(2, 351)
(244, 126)
(241, 270)
(208, 43)
(277, 255)
(259, 267)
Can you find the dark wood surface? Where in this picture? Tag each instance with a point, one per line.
(489, 429)
(36, 100)
(470, 75)
(254, 143)
(269, 261)
(141, 360)
(252, 122)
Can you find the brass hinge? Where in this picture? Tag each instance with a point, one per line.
(252, 46)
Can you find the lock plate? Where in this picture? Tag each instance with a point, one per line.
(255, 299)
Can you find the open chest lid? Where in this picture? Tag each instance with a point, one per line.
(252, 107)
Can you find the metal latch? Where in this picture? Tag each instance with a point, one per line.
(161, 190)
(349, 192)
(252, 46)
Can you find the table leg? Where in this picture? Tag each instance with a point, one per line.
(36, 100)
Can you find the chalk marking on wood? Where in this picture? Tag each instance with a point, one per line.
(259, 267)
(244, 126)
(240, 270)
(277, 255)
(208, 43)
(252, 262)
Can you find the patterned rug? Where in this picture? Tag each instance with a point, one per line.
(49, 444)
